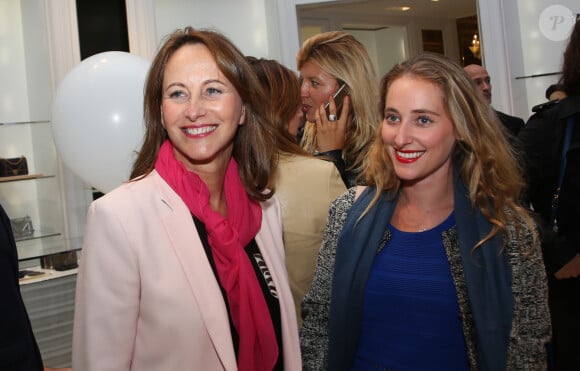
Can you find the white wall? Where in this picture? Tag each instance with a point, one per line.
(36, 54)
(515, 48)
(369, 40)
(13, 87)
(392, 48)
(24, 64)
(386, 47)
(539, 54)
(251, 24)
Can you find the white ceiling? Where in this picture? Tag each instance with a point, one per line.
(373, 9)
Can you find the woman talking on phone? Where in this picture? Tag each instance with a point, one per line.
(340, 128)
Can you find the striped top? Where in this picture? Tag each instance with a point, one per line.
(411, 317)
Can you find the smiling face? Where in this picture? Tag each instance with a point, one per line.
(417, 131)
(316, 89)
(201, 109)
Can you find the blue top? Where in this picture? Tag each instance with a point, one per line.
(485, 271)
(410, 314)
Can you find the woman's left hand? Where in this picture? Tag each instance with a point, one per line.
(331, 134)
(570, 269)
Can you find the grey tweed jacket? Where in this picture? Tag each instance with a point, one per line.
(530, 329)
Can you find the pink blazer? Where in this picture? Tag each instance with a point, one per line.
(146, 296)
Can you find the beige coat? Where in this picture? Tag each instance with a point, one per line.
(147, 298)
(305, 187)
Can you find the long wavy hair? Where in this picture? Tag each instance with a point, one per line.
(571, 65)
(282, 87)
(487, 164)
(254, 143)
(343, 57)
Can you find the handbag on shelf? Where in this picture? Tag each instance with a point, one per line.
(13, 166)
(61, 261)
(22, 227)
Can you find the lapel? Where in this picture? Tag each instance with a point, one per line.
(356, 248)
(488, 279)
(269, 240)
(187, 245)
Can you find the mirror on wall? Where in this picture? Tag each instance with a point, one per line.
(25, 92)
(394, 33)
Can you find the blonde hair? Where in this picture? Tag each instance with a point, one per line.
(346, 59)
(486, 162)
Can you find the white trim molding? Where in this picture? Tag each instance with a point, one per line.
(495, 53)
(141, 28)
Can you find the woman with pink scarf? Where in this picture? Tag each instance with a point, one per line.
(183, 266)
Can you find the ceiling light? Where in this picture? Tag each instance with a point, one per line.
(398, 8)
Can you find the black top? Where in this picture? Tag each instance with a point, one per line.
(349, 177)
(512, 123)
(542, 139)
(512, 126)
(18, 348)
(266, 284)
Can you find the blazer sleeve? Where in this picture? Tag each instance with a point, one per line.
(107, 294)
(316, 303)
(531, 327)
(270, 241)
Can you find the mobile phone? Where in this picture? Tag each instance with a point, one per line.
(338, 100)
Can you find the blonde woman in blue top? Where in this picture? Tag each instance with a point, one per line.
(434, 265)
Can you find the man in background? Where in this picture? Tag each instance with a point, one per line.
(482, 80)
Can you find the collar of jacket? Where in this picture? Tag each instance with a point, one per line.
(486, 271)
(568, 106)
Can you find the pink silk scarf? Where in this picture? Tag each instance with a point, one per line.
(258, 349)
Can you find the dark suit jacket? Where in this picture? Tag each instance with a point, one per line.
(512, 123)
(512, 126)
(18, 348)
(542, 140)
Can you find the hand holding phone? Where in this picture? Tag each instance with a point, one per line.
(338, 97)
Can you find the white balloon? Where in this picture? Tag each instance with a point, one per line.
(97, 117)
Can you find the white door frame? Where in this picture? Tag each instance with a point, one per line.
(492, 27)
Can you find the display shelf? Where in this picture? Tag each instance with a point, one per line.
(38, 274)
(24, 122)
(38, 234)
(40, 247)
(37, 194)
(16, 178)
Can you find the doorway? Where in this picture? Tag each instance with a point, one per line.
(392, 33)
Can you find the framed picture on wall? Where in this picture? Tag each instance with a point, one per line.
(432, 41)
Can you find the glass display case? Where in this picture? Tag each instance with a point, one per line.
(32, 194)
(39, 199)
(32, 199)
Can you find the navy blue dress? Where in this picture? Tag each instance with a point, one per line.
(411, 315)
